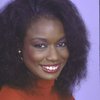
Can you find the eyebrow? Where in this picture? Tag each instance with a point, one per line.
(40, 38)
(63, 38)
(45, 40)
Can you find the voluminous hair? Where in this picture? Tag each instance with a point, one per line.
(16, 18)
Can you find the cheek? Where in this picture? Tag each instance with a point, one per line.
(36, 57)
(64, 54)
(33, 56)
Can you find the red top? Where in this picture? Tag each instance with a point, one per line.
(42, 92)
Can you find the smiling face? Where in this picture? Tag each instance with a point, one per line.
(45, 51)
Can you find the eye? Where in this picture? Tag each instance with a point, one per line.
(61, 44)
(40, 46)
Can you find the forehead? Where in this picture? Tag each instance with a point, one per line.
(45, 28)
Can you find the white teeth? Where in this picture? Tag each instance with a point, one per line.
(51, 67)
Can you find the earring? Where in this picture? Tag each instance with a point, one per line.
(19, 51)
(20, 54)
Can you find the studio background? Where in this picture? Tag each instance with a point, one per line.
(89, 88)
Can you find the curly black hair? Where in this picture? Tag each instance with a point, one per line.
(14, 22)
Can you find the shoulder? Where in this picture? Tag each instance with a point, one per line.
(7, 93)
(70, 98)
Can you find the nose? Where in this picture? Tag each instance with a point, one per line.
(53, 54)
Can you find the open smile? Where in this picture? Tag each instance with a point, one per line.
(51, 68)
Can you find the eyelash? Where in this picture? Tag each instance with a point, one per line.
(61, 44)
(40, 46)
(43, 45)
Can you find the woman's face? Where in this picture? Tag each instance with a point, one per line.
(45, 51)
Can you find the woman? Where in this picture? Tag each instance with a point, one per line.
(43, 50)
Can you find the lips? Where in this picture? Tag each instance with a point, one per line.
(51, 68)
